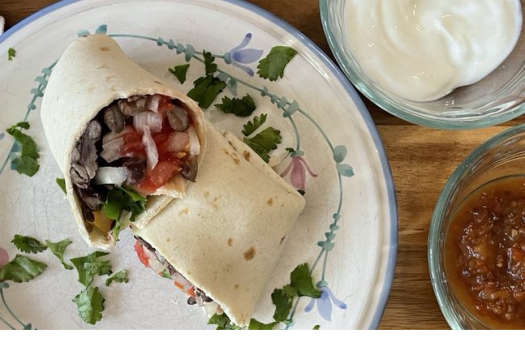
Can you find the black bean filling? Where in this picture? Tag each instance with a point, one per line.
(172, 271)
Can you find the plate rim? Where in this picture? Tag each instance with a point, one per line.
(348, 87)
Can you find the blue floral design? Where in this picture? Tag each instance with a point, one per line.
(28, 326)
(324, 304)
(2, 135)
(239, 56)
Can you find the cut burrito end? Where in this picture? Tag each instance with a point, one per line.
(126, 142)
(135, 148)
(224, 238)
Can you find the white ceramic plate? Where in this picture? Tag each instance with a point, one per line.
(355, 216)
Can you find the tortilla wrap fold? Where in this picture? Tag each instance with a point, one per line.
(227, 234)
(91, 74)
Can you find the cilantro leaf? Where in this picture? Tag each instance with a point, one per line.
(22, 125)
(118, 277)
(206, 89)
(21, 269)
(272, 66)
(256, 325)
(11, 53)
(62, 184)
(252, 126)
(58, 250)
(241, 107)
(25, 165)
(283, 305)
(208, 63)
(180, 72)
(290, 291)
(90, 304)
(264, 142)
(223, 322)
(302, 281)
(120, 199)
(316, 327)
(28, 244)
(88, 267)
(29, 147)
(165, 274)
(27, 162)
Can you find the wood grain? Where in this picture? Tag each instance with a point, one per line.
(421, 159)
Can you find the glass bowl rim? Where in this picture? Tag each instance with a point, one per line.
(395, 109)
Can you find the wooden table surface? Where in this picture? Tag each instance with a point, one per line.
(421, 159)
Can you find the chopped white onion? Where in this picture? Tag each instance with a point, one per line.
(111, 150)
(195, 145)
(149, 119)
(211, 308)
(110, 136)
(110, 176)
(152, 103)
(179, 142)
(151, 148)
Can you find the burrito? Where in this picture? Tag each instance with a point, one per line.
(126, 142)
(221, 242)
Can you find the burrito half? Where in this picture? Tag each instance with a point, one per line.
(126, 142)
(221, 242)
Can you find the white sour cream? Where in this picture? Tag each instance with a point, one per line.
(421, 50)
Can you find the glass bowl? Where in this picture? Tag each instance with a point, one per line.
(497, 98)
(500, 157)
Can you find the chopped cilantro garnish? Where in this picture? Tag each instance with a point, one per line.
(241, 107)
(264, 142)
(90, 304)
(11, 53)
(58, 249)
(122, 199)
(283, 304)
(301, 285)
(180, 72)
(118, 277)
(21, 269)
(208, 63)
(89, 266)
(62, 184)
(316, 327)
(165, 274)
(27, 162)
(272, 66)
(206, 89)
(28, 244)
(302, 282)
(223, 322)
(252, 126)
(256, 325)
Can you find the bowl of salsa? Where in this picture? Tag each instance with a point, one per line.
(476, 245)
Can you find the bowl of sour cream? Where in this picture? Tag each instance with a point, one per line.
(439, 63)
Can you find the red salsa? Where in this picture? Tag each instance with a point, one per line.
(485, 253)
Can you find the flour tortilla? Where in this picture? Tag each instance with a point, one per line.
(226, 235)
(90, 75)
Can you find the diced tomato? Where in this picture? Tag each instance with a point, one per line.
(160, 140)
(132, 145)
(132, 149)
(146, 187)
(132, 137)
(164, 104)
(158, 176)
(163, 172)
(139, 249)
